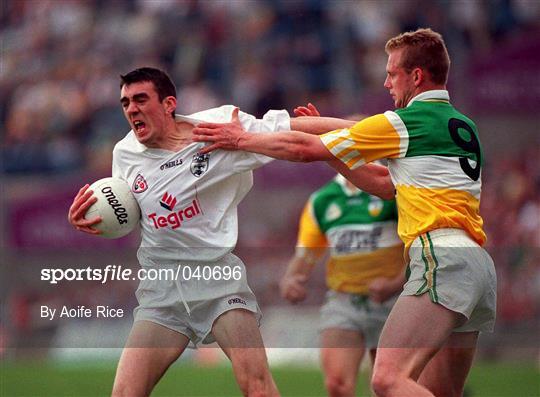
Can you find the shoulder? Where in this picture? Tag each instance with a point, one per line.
(219, 114)
(376, 123)
(126, 143)
(126, 146)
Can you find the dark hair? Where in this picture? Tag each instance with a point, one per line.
(161, 80)
(424, 49)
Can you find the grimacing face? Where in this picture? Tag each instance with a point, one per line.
(146, 114)
(399, 82)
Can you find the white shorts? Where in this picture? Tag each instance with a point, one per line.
(190, 306)
(356, 313)
(457, 273)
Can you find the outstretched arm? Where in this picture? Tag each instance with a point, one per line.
(319, 125)
(308, 120)
(291, 146)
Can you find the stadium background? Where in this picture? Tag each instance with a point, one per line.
(60, 61)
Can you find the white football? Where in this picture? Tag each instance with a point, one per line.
(117, 207)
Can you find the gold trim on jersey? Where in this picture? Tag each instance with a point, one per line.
(368, 140)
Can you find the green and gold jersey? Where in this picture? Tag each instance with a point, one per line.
(435, 160)
(360, 232)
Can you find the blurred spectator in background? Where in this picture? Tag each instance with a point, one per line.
(60, 57)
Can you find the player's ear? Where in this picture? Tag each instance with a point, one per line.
(170, 104)
(418, 76)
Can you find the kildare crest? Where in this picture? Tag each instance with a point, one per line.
(199, 164)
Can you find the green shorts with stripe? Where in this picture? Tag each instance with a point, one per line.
(456, 273)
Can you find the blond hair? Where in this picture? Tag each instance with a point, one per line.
(424, 49)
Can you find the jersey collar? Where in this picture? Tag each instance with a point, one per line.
(187, 119)
(432, 95)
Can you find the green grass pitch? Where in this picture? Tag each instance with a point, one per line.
(18, 379)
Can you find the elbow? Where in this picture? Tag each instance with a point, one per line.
(386, 190)
(302, 154)
(380, 187)
(387, 195)
(304, 148)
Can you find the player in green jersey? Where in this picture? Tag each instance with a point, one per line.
(364, 274)
(429, 340)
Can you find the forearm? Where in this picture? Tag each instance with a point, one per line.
(319, 125)
(291, 146)
(371, 178)
(299, 267)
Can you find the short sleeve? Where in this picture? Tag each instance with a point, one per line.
(116, 168)
(273, 120)
(311, 242)
(374, 138)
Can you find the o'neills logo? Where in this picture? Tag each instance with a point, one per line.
(233, 301)
(119, 210)
(174, 219)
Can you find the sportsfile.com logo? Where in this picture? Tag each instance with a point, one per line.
(175, 219)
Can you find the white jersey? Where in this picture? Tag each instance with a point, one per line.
(189, 202)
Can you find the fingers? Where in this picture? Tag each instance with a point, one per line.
(295, 295)
(309, 110)
(292, 290)
(205, 131)
(82, 201)
(89, 222)
(80, 206)
(80, 193)
(301, 111)
(88, 230)
(234, 116)
(208, 126)
(210, 148)
(314, 111)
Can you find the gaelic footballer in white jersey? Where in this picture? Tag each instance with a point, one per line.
(188, 201)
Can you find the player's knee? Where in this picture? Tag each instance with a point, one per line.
(383, 381)
(338, 386)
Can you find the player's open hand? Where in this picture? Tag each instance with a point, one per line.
(220, 135)
(309, 110)
(292, 287)
(82, 201)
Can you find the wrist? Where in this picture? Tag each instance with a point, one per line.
(241, 141)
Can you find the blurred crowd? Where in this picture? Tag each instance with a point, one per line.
(61, 60)
(511, 210)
